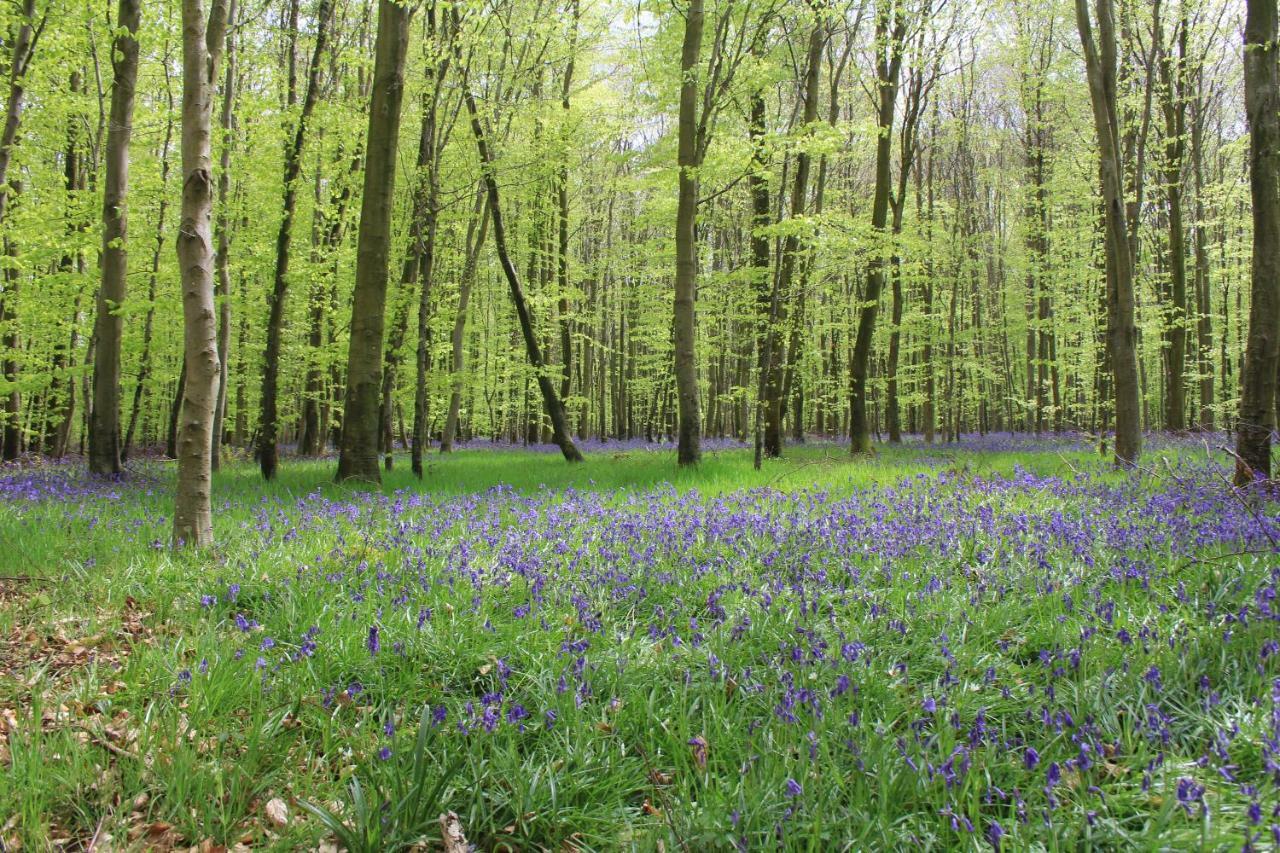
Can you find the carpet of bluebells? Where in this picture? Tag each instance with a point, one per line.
(1028, 652)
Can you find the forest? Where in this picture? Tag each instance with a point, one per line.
(583, 424)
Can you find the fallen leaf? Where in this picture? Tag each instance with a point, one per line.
(455, 840)
(277, 812)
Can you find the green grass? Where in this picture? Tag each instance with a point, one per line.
(147, 755)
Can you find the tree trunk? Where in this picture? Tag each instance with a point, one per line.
(766, 292)
(104, 429)
(1173, 79)
(550, 400)
(201, 47)
(268, 435)
(1262, 352)
(421, 263)
(475, 239)
(23, 47)
(689, 443)
(888, 65)
(1100, 66)
(148, 323)
(358, 458)
(222, 260)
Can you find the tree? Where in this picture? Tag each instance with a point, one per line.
(268, 452)
(891, 31)
(358, 457)
(691, 149)
(550, 399)
(24, 47)
(1262, 354)
(202, 43)
(104, 434)
(1100, 68)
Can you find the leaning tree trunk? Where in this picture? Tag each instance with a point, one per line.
(1262, 352)
(358, 456)
(1100, 67)
(268, 451)
(689, 442)
(550, 399)
(104, 426)
(201, 48)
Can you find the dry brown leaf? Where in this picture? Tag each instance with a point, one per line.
(277, 812)
(455, 840)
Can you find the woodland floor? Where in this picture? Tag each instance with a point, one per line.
(997, 642)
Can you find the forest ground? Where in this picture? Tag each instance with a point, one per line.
(1000, 642)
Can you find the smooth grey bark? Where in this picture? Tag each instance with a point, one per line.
(202, 43)
(1262, 353)
(1100, 67)
(358, 456)
(104, 424)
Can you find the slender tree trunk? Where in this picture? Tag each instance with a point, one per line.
(888, 64)
(148, 323)
(1204, 306)
(477, 230)
(1262, 352)
(202, 44)
(268, 435)
(1173, 79)
(426, 219)
(776, 392)
(24, 45)
(550, 400)
(562, 199)
(1100, 66)
(358, 458)
(175, 413)
(766, 292)
(689, 444)
(104, 435)
(222, 259)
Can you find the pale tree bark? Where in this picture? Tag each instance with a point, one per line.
(358, 456)
(104, 429)
(891, 28)
(1262, 353)
(202, 42)
(1100, 67)
(268, 451)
